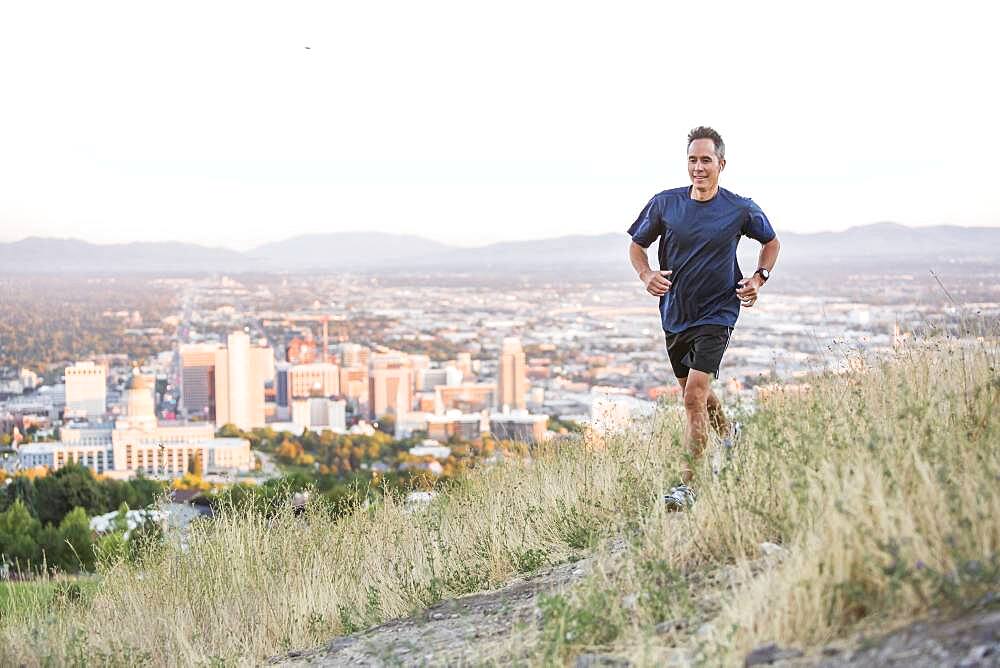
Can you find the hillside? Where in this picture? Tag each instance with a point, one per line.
(854, 508)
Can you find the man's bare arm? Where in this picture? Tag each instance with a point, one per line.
(747, 290)
(768, 254)
(656, 282)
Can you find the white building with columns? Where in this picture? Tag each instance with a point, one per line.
(138, 443)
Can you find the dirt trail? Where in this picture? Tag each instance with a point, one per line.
(472, 629)
(501, 627)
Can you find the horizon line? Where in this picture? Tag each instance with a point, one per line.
(445, 243)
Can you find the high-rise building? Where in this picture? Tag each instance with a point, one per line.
(86, 390)
(417, 364)
(354, 383)
(241, 370)
(321, 379)
(318, 413)
(198, 379)
(353, 355)
(513, 382)
(390, 385)
(282, 390)
(465, 397)
(428, 379)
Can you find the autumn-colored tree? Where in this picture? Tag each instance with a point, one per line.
(289, 451)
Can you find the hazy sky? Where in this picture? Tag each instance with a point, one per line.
(471, 122)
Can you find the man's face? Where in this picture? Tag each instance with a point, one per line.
(703, 165)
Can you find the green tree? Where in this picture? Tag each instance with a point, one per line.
(117, 492)
(229, 430)
(18, 535)
(51, 547)
(79, 541)
(387, 424)
(70, 487)
(21, 488)
(146, 491)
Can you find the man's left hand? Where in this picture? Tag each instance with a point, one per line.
(747, 290)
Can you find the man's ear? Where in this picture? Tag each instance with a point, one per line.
(722, 164)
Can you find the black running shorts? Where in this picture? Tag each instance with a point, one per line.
(700, 347)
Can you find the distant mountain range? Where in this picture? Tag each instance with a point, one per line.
(887, 245)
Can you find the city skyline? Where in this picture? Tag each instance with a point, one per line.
(399, 120)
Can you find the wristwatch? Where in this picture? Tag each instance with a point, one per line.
(764, 273)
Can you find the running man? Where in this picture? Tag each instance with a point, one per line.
(699, 282)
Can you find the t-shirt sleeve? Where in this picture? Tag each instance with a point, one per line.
(649, 225)
(757, 226)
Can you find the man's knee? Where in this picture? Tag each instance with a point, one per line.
(696, 397)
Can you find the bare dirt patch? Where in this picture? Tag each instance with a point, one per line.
(477, 628)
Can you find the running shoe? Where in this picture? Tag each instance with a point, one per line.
(679, 498)
(728, 443)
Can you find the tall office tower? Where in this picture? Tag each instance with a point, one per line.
(240, 374)
(282, 390)
(198, 379)
(390, 385)
(261, 373)
(353, 354)
(321, 379)
(464, 363)
(86, 390)
(418, 363)
(354, 383)
(513, 381)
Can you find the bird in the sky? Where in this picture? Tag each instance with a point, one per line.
(308, 48)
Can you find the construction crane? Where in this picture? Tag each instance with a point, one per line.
(325, 319)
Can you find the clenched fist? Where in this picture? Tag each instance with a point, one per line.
(747, 290)
(657, 283)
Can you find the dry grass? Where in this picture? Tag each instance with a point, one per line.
(881, 485)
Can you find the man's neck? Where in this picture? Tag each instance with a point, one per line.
(704, 195)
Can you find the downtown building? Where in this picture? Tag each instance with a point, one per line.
(320, 379)
(391, 382)
(198, 380)
(225, 384)
(512, 383)
(138, 443)
(86, 390)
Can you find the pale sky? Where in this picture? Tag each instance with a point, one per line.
(470, 123)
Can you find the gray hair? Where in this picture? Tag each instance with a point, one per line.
(705, 132)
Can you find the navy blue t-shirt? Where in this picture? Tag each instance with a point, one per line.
(698, 243)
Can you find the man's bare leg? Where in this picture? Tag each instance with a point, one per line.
(716, 416)
(697, 389)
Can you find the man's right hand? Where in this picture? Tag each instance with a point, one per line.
(656, 282)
